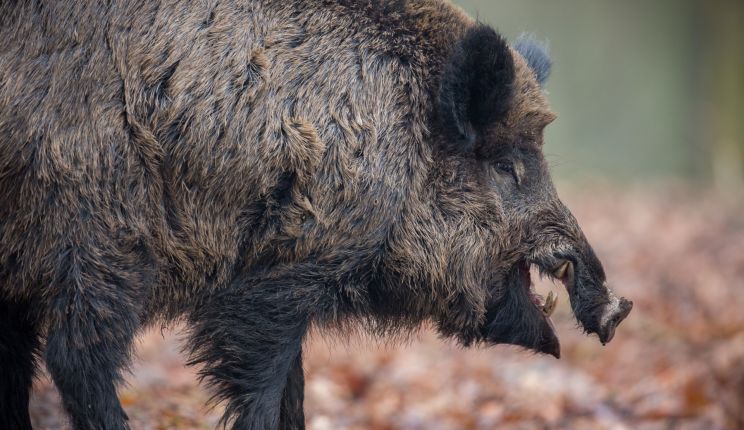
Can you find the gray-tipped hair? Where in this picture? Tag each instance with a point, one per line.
(536, 54)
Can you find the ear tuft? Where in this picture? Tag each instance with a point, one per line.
(536, 55)
(477, 83)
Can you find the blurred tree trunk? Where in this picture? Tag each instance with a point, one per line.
(724, 60)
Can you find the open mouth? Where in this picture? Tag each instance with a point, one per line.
(563, 272)
(521, 316)
(509, 321)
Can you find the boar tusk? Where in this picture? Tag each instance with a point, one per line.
(560, 272)
(550, 304)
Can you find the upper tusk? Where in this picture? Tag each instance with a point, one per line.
(560, 272)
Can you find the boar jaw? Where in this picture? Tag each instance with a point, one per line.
(520, 317)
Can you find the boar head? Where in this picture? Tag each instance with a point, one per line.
(493, 211)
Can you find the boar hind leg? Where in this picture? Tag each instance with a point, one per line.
(19, 343)
(292, 414)
(248, 337)
(92, 320)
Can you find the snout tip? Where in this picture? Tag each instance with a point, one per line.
(614, 313)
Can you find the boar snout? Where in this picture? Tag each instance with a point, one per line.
(612, 314)
(561, 252)
(592, 301)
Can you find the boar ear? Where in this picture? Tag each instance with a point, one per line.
(536, 55)
(476, 86)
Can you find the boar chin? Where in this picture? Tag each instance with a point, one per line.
(519, 316)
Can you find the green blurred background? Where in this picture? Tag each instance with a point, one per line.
(643, 89)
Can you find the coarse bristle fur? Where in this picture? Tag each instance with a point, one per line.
(536, 54)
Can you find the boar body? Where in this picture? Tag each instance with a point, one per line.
(255, 168)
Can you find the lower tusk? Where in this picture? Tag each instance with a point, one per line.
(550, 304)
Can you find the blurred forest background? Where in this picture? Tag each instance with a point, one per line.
(643, 89)
(648, 152)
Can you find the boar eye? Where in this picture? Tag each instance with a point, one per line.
(506, 167)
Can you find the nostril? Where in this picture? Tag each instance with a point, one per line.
(615, 314)
(625, 307)
(616, 320)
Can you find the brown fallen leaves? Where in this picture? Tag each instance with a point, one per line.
(676, 362)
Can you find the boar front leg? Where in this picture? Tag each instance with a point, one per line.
(92, 318)
(292, 414)
(19, 344)
(248, 337)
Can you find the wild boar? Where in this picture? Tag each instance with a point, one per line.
(256, 168)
